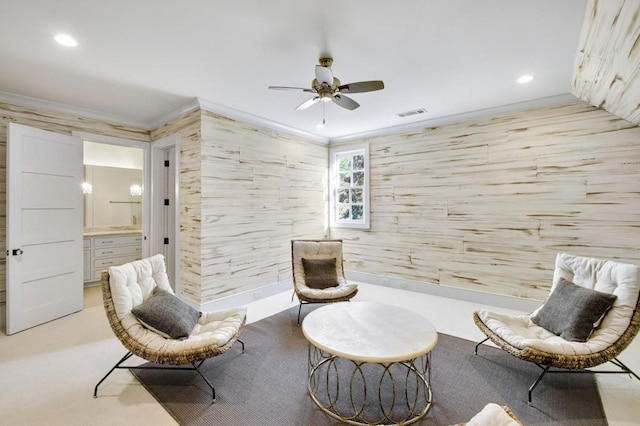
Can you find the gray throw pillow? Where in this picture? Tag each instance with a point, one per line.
(166, 313)
(320, 273)
(572, 311)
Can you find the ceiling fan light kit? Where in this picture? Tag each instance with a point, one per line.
(327, 88)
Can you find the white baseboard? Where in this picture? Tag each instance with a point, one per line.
(3, 317)
(509, 302)
(248, 296)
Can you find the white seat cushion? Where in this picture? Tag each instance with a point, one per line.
(492, 415)
(342, 290)
(620, 279)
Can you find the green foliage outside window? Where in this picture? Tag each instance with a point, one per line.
(351, 181)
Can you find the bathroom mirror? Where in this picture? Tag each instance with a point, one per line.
(113, 197)
(113, 181)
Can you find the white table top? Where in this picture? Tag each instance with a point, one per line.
(369, 332)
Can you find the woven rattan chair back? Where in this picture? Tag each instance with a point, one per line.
(319, 249)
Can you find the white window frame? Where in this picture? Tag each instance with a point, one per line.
(334, 153)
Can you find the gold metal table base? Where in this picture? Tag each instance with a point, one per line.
(370, 393)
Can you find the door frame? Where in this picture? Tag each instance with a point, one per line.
(158, 149)
(146, 176)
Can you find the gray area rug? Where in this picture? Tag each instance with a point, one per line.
(267, 385)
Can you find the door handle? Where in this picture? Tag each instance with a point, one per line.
(16, 252)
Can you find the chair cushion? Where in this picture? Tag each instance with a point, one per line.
(320, 249)
(132, 283)
(320, 273)
(494, 415)
(621, 279)
(573, 312)
(166, 314)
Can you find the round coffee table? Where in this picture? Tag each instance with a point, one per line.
(369, 363)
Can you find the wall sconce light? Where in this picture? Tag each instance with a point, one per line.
(135, 190)
(87, 188)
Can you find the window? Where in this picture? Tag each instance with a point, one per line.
(349, 172)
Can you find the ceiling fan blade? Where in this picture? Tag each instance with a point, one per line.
(304, 89)
(306, 104)
(362, 86)
(324, 75)
(345, 102)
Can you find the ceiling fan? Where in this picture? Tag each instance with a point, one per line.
(327, 88)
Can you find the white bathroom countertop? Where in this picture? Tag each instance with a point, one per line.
(111, 230)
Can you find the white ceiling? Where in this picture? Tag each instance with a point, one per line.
(141, 60)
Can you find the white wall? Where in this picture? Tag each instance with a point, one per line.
(100, 154)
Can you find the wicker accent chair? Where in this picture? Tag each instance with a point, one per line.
(522, 338)
(319, 249)
(127, 286)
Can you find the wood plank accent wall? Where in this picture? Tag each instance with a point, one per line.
(483, 205)
(260, 188)
(486, 204)
(55, 122)
(607, 72)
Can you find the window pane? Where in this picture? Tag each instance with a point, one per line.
(343, 211)
(358, 179)
(358, 162)
(356, 196)
(343, 196)
(357, 212)
(345, 163)
(345, 179)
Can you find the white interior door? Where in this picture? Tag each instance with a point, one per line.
(44, 226)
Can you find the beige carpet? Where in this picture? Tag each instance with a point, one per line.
(267, 384)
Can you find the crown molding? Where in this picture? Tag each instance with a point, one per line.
(190, 106)
(256, 120)
(27, 101)
(462, 117)
(196, 103)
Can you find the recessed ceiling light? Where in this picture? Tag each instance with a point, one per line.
(65, 40)
(525, 79)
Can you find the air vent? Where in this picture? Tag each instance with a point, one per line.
(412, 112)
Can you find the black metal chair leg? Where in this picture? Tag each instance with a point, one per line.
(213, 391)
(299, 309)
(475, 350)
(124, 358)
(196, 366)
(544, 371)
(626, 369)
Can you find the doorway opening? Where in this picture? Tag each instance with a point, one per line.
(115, 203)
(165, 211)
